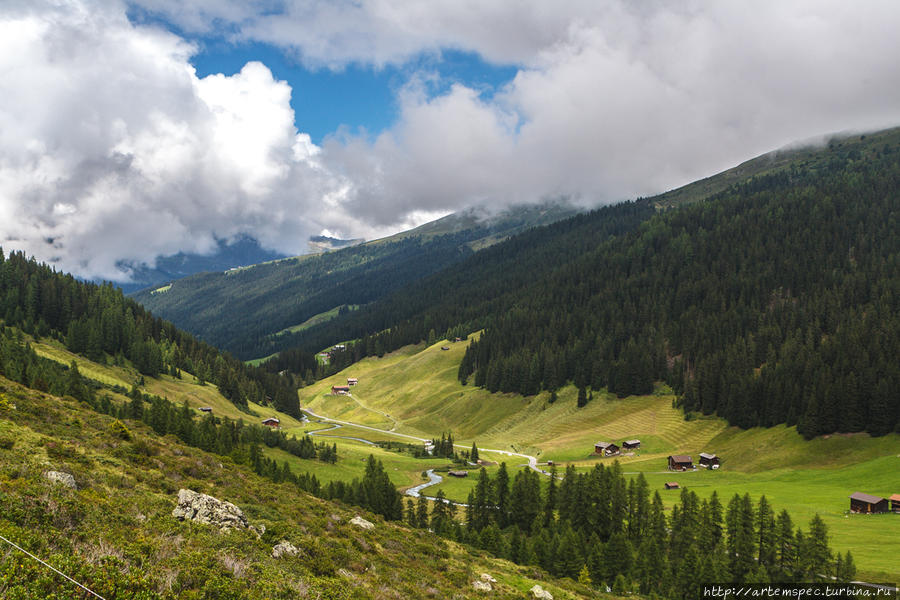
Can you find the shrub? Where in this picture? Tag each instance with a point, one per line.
(119, 430)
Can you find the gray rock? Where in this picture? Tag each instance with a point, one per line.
(482, 586)
(201, 508)
(62, 478)
(540, 592)
(360, 522)
(284, 548)
(488, 578)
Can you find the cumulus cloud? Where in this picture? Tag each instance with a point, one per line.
(111, 148)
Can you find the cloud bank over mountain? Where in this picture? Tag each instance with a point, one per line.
(113, 149)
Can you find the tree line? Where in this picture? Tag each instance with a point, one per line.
(601, 528)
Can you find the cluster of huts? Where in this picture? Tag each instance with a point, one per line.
(868, 504)
(344, 390)
(612, 449)
(684, 462)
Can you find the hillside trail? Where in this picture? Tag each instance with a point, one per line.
(376, 411)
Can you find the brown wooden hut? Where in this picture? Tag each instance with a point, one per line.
(895, 503)
(458, 473)
(606, 449)
(271, 422)
(671, 485)
(710, 461)
(342, 390)
(631, 444)
(680, 462)
(866, 503)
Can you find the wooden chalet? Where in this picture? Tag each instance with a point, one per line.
(710, 461)
(458, 473)
(352, 381)
(895, 503)
(680, 462)
(606, 449)
(868, 504)
(342, 390)
(206, 409)
(631, 444)
(272, 422)
(671, 485)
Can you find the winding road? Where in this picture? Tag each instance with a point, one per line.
(434, 479)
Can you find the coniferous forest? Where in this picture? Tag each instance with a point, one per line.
(774, 301)
(600, 527)
(102, 324)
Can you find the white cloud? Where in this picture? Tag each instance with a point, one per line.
(113, 149)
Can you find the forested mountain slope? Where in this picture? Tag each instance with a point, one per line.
(98, 322)
(776, 300)
(250, 312)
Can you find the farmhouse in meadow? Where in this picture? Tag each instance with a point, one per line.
(271, 422)
(342, 390)
(895, 503)
(671, 485)
(680, 462)
(606, 449)
(865, 503)
(631, 444)
(710, 461)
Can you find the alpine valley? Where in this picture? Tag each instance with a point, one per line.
(697, 387)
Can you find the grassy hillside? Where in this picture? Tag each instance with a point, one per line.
(415, 390)
(116, 535)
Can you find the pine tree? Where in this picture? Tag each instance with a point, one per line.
(473, 455)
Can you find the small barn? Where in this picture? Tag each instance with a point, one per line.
(671, 485)
(272, 422)
(606, 449)
(445, 347)
(895, 503)
(710, 461)
(341, 390)
(206, 409)
(458, 473)
(352, 381)
(631, 444)
(868, 504)
(680, 462)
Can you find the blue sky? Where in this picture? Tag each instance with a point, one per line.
(360, 97)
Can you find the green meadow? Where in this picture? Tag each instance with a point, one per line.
(415, 391)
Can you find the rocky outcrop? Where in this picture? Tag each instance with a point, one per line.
(62, 478)
(481, 586)
(360, 522)
(541, 593)
(201, 508)
(284, 548)
(488, 578)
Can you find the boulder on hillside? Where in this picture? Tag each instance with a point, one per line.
(284, 548)
(486, 577)
(541, 593)
(201, 508)
(481, 586)
(62, 478)
(360, 522)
